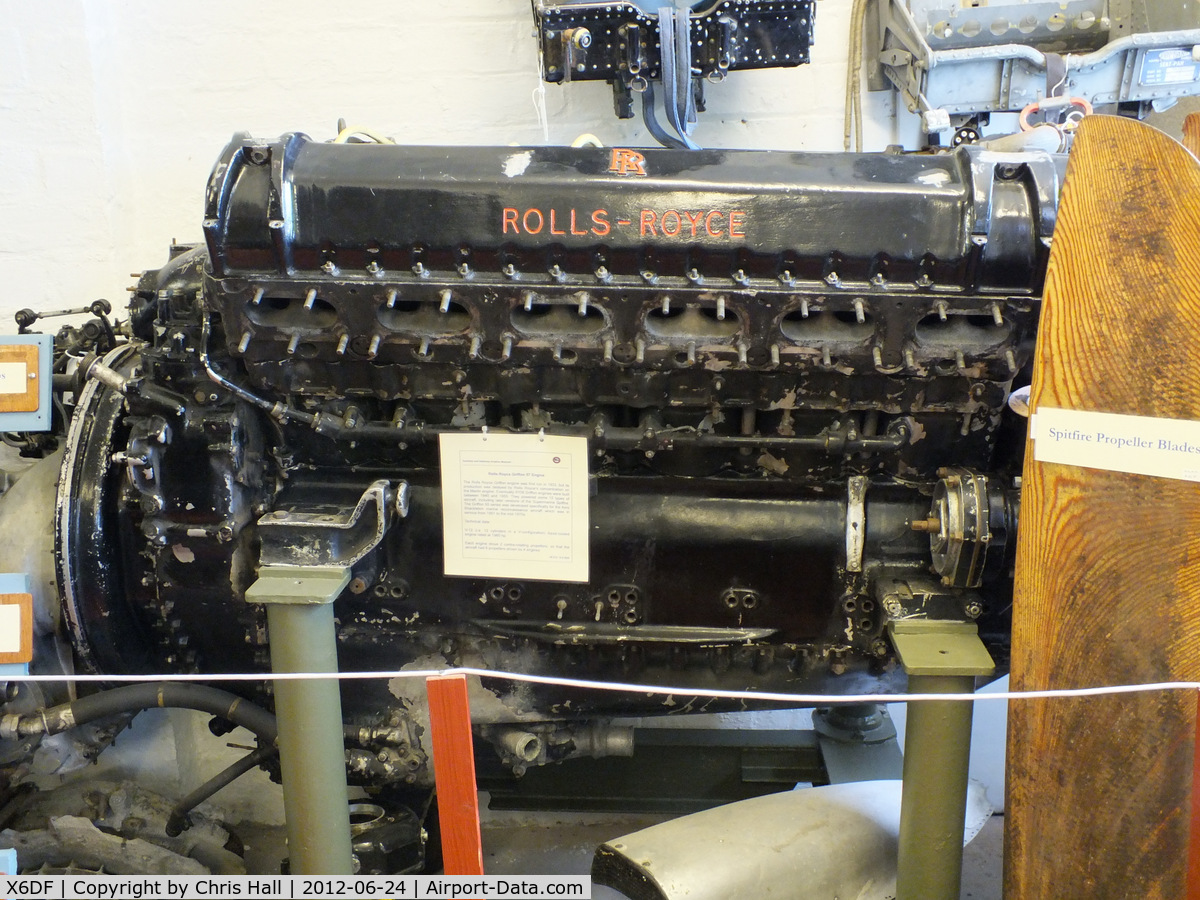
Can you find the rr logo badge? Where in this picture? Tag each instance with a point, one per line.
(627, 162)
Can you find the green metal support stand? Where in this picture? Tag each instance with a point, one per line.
(940, 658)
(312, 754)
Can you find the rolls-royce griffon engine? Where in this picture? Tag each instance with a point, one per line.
(791, 372)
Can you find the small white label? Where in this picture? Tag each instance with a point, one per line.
(10, 628)
(1141, 445)
(14, 378)
(515, 506)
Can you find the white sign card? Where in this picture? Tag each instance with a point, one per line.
(515, 506)
(14, 378)
(1141, 445)
(10, 628)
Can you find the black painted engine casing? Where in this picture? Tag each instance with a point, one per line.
(773, 361)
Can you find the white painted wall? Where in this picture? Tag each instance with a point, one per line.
(112, 113)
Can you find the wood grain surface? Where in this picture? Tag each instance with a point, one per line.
(1191, 133)
(1108, 564)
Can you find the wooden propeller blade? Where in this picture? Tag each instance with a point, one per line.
(1108, 564)
(1191, 133)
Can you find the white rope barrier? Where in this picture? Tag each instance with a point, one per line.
(635, 688)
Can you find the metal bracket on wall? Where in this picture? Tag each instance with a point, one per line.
(1001, 57)
(633, 44)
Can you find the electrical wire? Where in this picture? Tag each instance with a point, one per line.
(852, 117)
(660, 134)
(1081, 103)
(674, 28)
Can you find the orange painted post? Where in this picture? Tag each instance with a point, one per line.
(454, 773)
(1193, 869)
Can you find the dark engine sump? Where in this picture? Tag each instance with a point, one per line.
(792, 371)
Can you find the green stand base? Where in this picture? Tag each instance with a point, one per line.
(940, 658)
(312, 755)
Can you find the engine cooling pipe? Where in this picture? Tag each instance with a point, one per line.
(137, 697)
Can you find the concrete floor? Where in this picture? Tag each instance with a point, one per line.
(983, 863)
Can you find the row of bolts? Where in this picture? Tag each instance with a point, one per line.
(446, 296)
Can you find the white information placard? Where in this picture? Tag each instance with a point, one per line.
(1141, 445)
(14, 378)
(515, 506)
(10, 628)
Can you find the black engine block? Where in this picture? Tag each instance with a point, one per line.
(792, 371)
